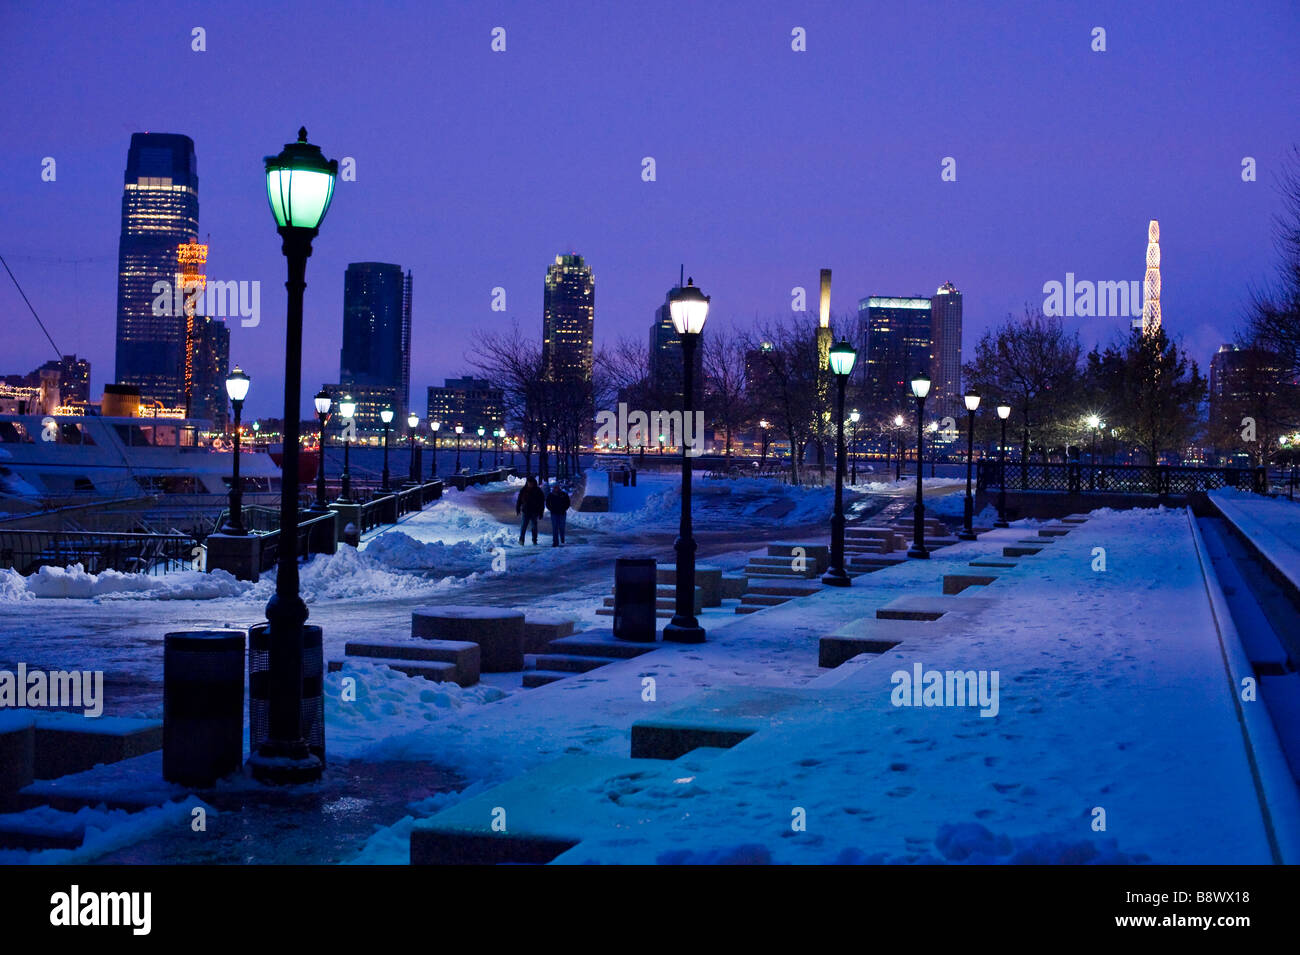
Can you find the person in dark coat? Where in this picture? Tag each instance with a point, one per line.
(531, 503)
(557, 502)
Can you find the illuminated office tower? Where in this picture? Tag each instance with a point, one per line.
(160, 212)
(568, 330)
(377, 331)
(895, 336)
(945, 320)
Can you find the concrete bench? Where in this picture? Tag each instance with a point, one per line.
(541, 628)
(956, 583)
(461, 654)
(70, 743)
(718, 718)
(498, 632)
(1022, 550)
(734, 586)
(818, 554)
(871, 635)
(707, 578)
(916, 607)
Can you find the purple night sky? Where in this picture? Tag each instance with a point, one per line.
(475, 168)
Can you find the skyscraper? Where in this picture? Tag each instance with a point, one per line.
(377, 330)
(895, 336)
(945, 324)
(568, 324)
(210, 367)
(160, 211)
(568, 318)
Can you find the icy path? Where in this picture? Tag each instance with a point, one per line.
(1113, 695)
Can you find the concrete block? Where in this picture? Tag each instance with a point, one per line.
(498, 632)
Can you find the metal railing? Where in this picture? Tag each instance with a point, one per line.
(28, 551)
(315, 536)
(1161, 480)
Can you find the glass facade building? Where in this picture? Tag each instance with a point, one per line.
(160, 212)
(895, 336)
(376, 351)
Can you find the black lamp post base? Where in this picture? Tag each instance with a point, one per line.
(965, 535)
(286, 770)
(918, 553)
(683, 630)
(231, 530)
(836, 577)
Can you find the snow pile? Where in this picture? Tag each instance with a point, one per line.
(451, 521)
(401, 551)
(350, 574)
(390, 706)
(106, 830)
(74, 582)
(659, 508)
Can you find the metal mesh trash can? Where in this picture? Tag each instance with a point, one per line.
(313, 688)
(635, 591)
(203, 705)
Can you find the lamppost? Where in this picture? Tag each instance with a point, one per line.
(934, 447)
(690, 308)
(412, 422)
(840, 359)
(920, 388)
(967, 533)
(386, 416)
(898, 441)
(1094, 425)
(497, 433)
(853, 452)
(460, 429)
(237, 390)
(299, 185)
(433, 470)
(480, 447)
(323, 402)
(763, 425)
(347, 408)
(1004, 412)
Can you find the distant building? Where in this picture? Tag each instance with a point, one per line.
(470, 402)
(211, 366)
(160, 211)
(894, 334)
(666, 358)
(71, 376)
(376, 351)
(1248, 382)
(370, 401)
(945, 370)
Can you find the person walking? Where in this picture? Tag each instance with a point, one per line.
(557, 502)
(531, 503)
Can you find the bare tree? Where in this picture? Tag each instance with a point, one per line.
(514, 364)
(784, 351)
(726, 398)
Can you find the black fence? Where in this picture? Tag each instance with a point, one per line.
(1161, 480)
(28, 551)
(315, 536)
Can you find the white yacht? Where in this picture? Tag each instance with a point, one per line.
(159, 464)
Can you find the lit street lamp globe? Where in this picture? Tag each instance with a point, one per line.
(300, 184)
(413, 421)
(237, 385)
(347, 407)
(322, 402)
(386, 416)
(690, 309)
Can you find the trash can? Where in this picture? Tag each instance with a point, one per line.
(313, 688)
(635, 591)
(203, 705)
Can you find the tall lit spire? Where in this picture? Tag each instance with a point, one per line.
(1151, 297)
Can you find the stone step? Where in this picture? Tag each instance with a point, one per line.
(956, 583)
(436, 671)
(1053, 530)
(876, 560)
(994, 562)
(1020, 550)
(765, 600)
(461, 654)
(778, 570)
(734, 586)
(778, 588)
(660, 614)
(570, 663)
(593, 645)
(540, 628)
(745, 608)
(536, 678)
(69, 743)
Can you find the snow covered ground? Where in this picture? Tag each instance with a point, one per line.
(1112, 688)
